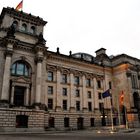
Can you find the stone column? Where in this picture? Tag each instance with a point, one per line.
(27, 96)
(72, 101)
(84, 94)
(12, 94)
(96, 103)
(58, 91)
(6, 76)
(38, 79)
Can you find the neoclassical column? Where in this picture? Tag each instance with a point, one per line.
(40, 49)
(96, 104)
(6, 76)
(12, 94)
(27, 96)
(84, 94)
(58, 91)
(38, 79)
(72, 103)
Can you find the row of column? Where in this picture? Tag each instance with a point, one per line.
(71, 96)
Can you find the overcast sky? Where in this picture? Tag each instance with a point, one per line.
(87, 25)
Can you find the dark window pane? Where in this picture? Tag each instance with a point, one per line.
(78, 105)
(50, 103)
(64, 91)
(89, 106)
(51, 121)
(64, 104)
(99, 84)
(99, 95)
(66, 122)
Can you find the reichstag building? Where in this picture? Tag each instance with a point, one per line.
(45, 90)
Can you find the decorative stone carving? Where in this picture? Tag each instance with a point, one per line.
(11, 31)
(41, 39)
(8, 53)
(51, 68)
(38, 59)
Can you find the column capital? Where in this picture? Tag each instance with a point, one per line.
(39, 59)
(8, 53)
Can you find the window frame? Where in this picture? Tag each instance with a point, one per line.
(50, 90)
(50, 104)
(16, 69)
(64, 78)
(50, 76)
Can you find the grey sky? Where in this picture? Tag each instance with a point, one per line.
(87, 25)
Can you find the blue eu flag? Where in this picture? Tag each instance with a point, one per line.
(106, 94)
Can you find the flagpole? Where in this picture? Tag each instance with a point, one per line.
(119, 114)
(125, 112)
(22, 6)
(112, 125)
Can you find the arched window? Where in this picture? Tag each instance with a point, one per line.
(24, 27)
(32, 30)
(15, 23)
(20, 68)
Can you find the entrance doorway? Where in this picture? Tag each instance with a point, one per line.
(80, 122)
(19, 96)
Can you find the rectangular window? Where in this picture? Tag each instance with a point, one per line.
(89, 94)
(99, 95)
(78, 105)
(77, 93)
(50, 103)
(98, 83)
(101, 106)
(64, 104)
(64, 78)
(50, 76)
(110, 85)
(66, 122)
(76, 80)
(134, 81)
(64, 90)
(50, 90)
(88, 82)
(89, 106)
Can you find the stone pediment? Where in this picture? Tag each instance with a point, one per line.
(21, 79)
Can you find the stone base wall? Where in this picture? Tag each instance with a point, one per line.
(38, 120)
(8, 119)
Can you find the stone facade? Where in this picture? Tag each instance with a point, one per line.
(42, 90)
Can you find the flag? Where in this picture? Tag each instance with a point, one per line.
(19, 6)
(121, 98)
(106, 94)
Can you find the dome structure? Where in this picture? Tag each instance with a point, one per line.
(83, 56)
